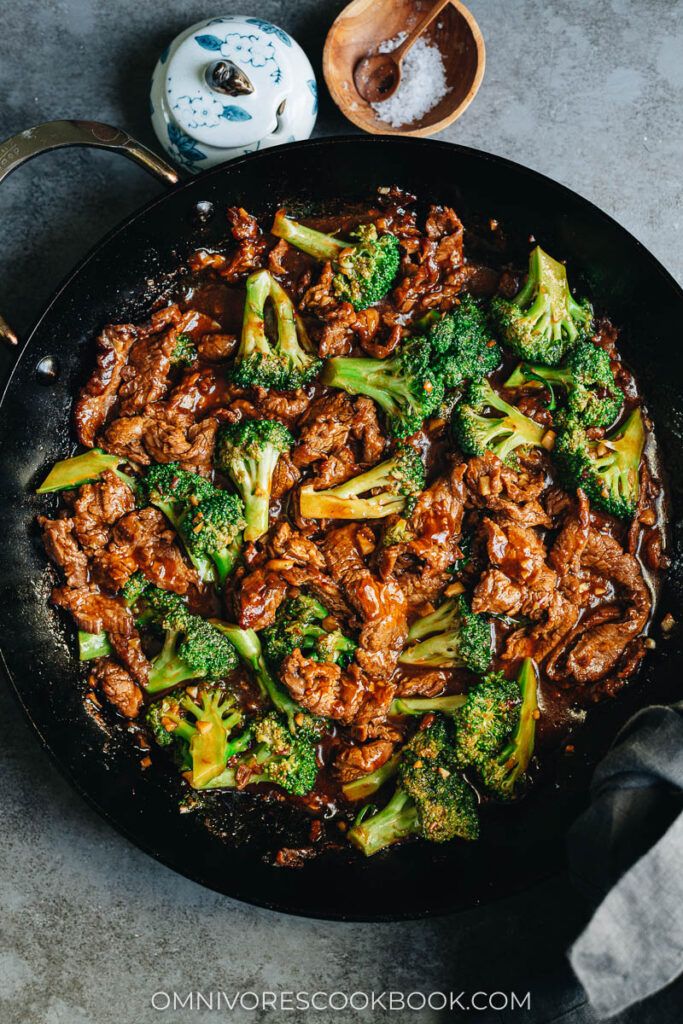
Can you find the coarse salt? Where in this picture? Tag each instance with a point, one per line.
(423, 83)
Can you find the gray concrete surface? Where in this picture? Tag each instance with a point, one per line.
(590, 93)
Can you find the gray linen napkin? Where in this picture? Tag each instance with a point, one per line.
(628, 848)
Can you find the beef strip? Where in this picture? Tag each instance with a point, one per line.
(353, 762)
(594, 648)
(94, 612)
(96, 507)
(60, 542)
(99, 395)
(128, 650)
(381, 604)
(143, 541)
(496, 488)
(117, 685)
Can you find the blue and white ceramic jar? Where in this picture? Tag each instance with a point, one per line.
(229, 86)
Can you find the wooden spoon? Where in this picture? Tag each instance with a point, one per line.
(378, 76)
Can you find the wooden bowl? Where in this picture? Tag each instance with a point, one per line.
(365, 23)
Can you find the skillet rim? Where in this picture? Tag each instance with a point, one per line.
(596, 214)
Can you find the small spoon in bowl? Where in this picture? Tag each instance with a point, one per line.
(378, 76)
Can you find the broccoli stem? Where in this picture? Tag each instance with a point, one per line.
(423, 705)
(361, 788)
(202, 563)
(93, 645)
(82, 469)
(315, 243)
(291, 332)
(253, 478)
(364, 376)
(516, 756)
(253, 338)
(342, 501)
(248, 646)
(167, 668)
(396, 821)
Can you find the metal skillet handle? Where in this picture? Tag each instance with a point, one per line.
(57, 134)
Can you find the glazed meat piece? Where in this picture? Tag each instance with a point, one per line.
(381, 604)
(94, 612)
(60, 542)
(496, 488)
(128, 650)
(356, 761)
(418, 551)
(97, 507)
(117, 685)
(606, 633)
(143, 541)
(97, 398)
(144, 378)
(324, 428)
(322, 688)
(520, 582)
(257, 598)
(172, 438)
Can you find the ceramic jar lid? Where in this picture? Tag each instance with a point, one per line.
(228, 86)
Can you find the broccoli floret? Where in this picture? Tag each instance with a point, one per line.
(390, 487)
(82, 469)
(286, 363)
(184, 352)
(248, 453)
(486, 719)
(134, 588)
(365, 266)
(247, 644)
(175, 491)
(503, 766)
(462, 341)
(193, 648)
(502, 434)
(407, 385)
(607, 470)
(431, 799)
(447, 705)
(213, 529)
(299, 626)
(450, 637)
(273, 755)
(199, 730)
(543, 321)
(587, 378)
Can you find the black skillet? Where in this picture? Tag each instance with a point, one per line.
(119, 281)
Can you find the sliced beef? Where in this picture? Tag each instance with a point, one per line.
(94, 612)
(322, 688)
(117, 685)
(419, 550)
(128, 650)
(95, 509)
(606, 633)
(353, 762)
(257, 597)
(520, 582)
(61, 544)
(143, 541)
(496, 488)
(381, 604)
(99, 395)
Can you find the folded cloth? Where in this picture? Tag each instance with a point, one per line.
(629, 846)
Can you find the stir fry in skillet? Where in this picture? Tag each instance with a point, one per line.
(359, 521)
